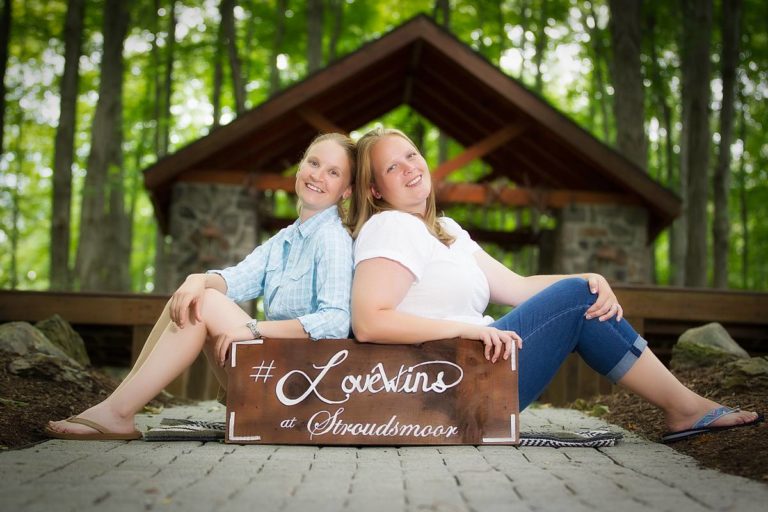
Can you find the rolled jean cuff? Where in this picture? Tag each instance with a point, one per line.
(629, 359)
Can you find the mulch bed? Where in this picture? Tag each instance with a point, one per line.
(26, 404)
(739, 451)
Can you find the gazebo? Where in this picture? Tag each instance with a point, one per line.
(607, 209)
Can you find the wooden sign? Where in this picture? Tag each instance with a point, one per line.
(341, 392)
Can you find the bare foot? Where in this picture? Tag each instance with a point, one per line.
(682, 420)
(99, 413)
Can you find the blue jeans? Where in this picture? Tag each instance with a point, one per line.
(552, 325)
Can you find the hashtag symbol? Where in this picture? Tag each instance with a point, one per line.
(263, 371)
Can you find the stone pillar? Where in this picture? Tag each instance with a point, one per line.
(212, 226)
(607, 239)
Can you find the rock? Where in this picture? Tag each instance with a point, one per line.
(50, 367)
(706, 345)
(60, 333)
(22, 339)
(751, 373)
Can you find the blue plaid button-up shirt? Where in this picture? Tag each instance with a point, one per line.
(303, 272)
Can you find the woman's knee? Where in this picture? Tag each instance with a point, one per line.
(212, 300)
(577, 289)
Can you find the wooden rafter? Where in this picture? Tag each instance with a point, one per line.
(476, 151)
(475, 193)
(319, 121)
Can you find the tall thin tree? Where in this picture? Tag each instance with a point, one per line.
(731, 20)
(277, 46)
(164, 122)
(230, 38)
(64, 147)
(541, 44)
(697, 39)
(337, 11)
(5, 39)
(102, 259)
(629, 97)
(315, 23)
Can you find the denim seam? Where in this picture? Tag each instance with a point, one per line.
(558, 316)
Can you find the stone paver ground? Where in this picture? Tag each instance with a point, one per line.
(191, 476)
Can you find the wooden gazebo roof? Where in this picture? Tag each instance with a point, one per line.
(524, 139)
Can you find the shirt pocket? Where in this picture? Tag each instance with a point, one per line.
(274, 262)
(300, 269)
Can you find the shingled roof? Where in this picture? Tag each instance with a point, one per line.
(522, 137)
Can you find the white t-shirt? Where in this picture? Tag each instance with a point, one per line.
(448, 285)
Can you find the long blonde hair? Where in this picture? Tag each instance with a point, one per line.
(349, 147)
(365, 205)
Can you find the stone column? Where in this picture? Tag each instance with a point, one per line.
(607, 239)
(212, 226)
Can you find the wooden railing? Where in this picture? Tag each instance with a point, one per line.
(661, 314)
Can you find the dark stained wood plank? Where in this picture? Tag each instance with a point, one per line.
(349, 393)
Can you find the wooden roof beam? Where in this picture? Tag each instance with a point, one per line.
(412, 67)
(319, 121)
(475, 193)
(477, 150)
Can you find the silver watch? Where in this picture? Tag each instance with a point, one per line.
(253, 326)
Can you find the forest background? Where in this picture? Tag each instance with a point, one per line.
(94, 91)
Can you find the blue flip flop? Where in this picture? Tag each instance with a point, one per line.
(702, 426)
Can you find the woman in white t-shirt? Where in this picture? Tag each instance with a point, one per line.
(420, 277)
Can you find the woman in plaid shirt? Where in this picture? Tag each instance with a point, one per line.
(304, 273)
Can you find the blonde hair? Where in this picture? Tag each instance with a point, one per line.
(365, 205)
(349, 147)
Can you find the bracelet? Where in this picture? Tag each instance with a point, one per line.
(253, 326)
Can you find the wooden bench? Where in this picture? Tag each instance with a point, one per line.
(661, 314)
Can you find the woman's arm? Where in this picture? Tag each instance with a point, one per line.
(332, 260)
(380, 285)
(512, 289)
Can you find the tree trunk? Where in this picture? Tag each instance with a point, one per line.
(697, 35)
(337, 11)
(524, 21)
(659, 91)
(731, 19)
(599, 57)
(442, 10)
(250, 40)
(165, 113)
(218, 75)
(629, 97)
(230, 37)
(277, 45)
(99, 266)
(154, 57)
(5, 38)
(314, 35)
(64, 148)
(541, 44)
(14, 236)
(743, 206)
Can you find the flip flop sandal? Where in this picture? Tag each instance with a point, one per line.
(101, 434)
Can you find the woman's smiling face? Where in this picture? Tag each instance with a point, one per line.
(323, 178)
(401, 175)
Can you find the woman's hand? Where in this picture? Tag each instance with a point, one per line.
(494, 340)
(221, 346)
(186, 302)
(607, 305)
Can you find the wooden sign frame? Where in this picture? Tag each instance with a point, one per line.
(342, 392)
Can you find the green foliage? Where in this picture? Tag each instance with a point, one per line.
(504, 32)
